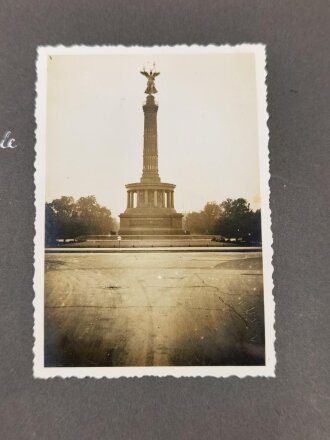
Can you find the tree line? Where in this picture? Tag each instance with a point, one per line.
(67, 218)
(231, 219)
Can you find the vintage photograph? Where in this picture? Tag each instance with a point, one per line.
(153, 246)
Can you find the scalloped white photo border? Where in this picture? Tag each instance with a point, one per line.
(39, 371)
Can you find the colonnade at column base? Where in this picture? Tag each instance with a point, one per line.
(150, 210)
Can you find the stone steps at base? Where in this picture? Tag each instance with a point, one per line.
(211, 249)
(148, 237)
(147, 244)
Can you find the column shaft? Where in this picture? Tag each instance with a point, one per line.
(150, 150)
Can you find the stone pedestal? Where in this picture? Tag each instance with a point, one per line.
(150, 210)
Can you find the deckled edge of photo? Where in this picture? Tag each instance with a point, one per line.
(41, 372)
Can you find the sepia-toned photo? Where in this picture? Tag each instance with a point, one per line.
(153, 230)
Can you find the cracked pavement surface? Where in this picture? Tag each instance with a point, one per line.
(154, 309)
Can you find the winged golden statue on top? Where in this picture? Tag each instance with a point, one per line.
(151, 75)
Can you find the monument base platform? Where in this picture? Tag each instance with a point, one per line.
(150, 232)
(151, 222)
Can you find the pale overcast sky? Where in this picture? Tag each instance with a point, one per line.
(207, 127)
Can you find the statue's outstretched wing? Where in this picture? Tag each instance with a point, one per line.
(156, 74)
(144, 73)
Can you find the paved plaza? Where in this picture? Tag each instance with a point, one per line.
(154, 309)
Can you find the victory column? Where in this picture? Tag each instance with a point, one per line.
(150, 203)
